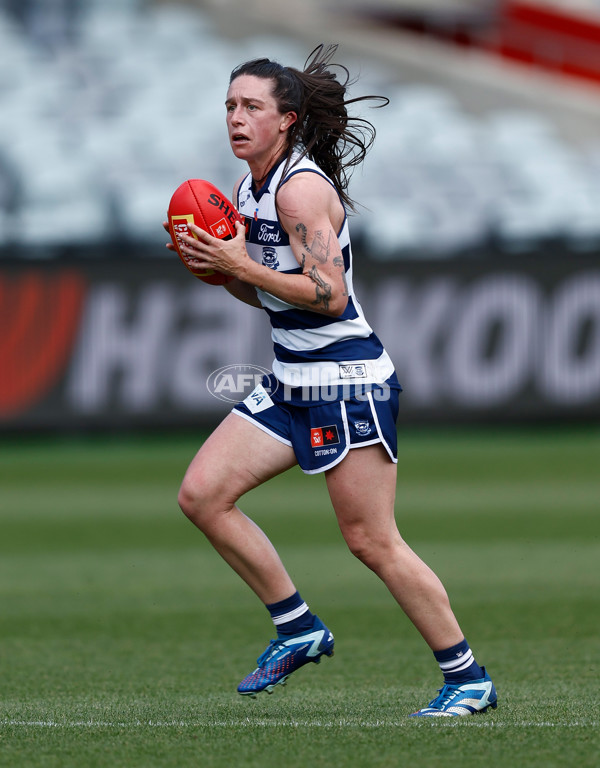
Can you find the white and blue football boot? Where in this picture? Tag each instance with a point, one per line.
(284, 656)
(463, 699)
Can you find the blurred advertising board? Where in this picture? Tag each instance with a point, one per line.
(120, 344)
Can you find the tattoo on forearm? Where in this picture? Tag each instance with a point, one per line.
(319, 248)
(322, 289)
(339, 262)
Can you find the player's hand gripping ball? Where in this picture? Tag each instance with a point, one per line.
(201, 203)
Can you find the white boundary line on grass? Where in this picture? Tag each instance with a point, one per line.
(250, 723)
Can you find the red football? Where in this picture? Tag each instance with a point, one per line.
(200, 202)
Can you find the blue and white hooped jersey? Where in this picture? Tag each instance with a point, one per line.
(312, 350)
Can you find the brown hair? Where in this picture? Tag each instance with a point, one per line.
(324, 131)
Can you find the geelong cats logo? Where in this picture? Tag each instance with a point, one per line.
(269, 257)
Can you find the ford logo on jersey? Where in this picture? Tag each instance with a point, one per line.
(267, 233)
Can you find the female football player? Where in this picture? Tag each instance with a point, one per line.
(332, 400)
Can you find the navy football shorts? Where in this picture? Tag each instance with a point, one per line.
(321, 435)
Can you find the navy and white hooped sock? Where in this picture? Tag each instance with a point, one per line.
(458, 664)
(291, 616)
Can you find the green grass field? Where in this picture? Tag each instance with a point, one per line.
(123, 636)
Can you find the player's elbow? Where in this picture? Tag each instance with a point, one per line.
(337, 305)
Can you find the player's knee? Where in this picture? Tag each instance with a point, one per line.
(359, 542)
(187, 499)
(364, 546)
(197, 498)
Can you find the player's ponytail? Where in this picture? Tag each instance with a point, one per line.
(336, 141)
(324, 131)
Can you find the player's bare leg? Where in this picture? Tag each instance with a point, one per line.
(234, 459)
(365, 512)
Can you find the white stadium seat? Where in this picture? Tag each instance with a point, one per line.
(117, 116)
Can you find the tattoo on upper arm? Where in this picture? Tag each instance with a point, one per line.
(319, 251)
(319, 248)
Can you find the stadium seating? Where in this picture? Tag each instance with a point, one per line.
(102, 117)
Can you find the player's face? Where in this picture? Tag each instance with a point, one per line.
(257, 129)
